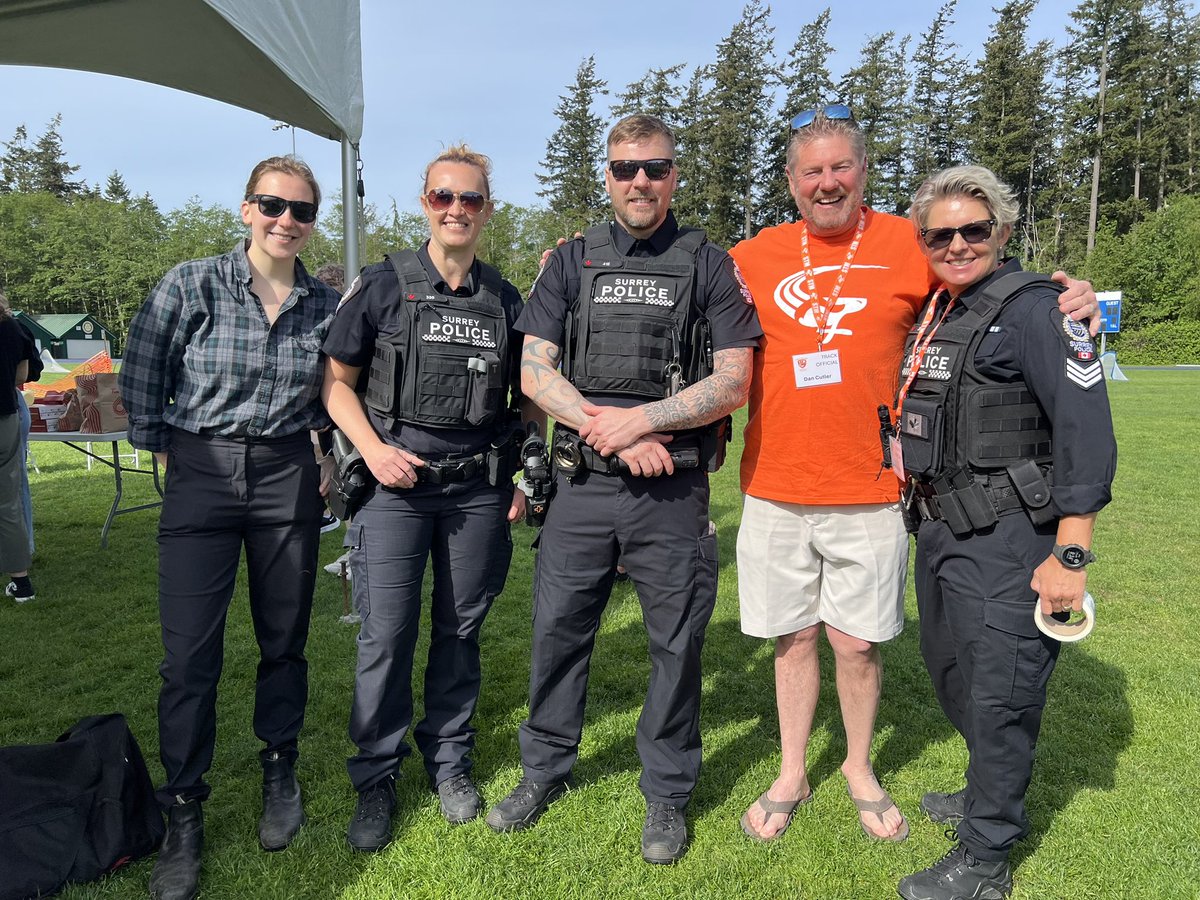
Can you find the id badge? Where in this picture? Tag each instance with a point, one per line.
(895, 446)
(815, 369)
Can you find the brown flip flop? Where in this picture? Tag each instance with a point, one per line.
(879, 807)
(771, 808)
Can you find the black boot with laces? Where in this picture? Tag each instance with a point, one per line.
(371, 827)
(959, 876)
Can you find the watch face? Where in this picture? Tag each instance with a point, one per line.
(1073, 557)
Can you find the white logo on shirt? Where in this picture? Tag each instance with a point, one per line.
(791, 296)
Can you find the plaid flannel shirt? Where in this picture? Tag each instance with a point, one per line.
(201, 356)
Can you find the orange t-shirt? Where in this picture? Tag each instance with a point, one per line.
(819, 445)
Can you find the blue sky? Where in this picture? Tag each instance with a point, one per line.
(434, 74)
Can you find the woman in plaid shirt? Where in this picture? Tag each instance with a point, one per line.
(221, 377)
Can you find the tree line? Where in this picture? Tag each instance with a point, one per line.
(1098, 135)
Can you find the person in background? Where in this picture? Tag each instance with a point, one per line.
(222, 379)
(16, 350)
(1007, 443)
(434, 331)
(35, 372)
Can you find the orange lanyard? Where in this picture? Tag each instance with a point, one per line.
(823, 309)
(919, 348)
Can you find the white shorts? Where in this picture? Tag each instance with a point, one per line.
(843, 565)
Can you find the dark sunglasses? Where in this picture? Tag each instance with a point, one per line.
(272, 207)
(972, 233)
(441, 199)
(833, 111)
(627, 169)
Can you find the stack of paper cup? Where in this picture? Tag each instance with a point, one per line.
(1075, 628)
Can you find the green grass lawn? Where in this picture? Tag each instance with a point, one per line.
(1113, 802)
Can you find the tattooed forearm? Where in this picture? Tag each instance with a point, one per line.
(707, 400)
(544, 384)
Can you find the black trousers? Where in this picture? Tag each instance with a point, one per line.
(464, 528)
(989, 664)
(222, 495)
(660, 529)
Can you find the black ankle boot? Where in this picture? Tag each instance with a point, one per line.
(283, 809)
(176, 874)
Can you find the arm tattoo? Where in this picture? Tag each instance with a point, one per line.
(546, 386)
(708, 399)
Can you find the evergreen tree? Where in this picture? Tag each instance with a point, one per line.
(1010, 123)
(691, 140)
(877, 91)
(658, 93)
(16, 166)
(807, 84)
(115, 188)
(42, 167)
(938, 99)
(1094, 67)
(575, 155)
(739, 115)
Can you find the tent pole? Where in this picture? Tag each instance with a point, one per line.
(350, 246)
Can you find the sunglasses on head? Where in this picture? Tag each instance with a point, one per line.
(972, 233)
(833, 111)
(272, 207)
(441, 199)
(627, 169)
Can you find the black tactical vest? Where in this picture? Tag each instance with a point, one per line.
(955, 419)
(447, 363)
(629, 332)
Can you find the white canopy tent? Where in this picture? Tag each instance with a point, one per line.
(296, 61)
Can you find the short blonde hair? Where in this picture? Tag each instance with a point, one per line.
(461, 153)
(966, 181)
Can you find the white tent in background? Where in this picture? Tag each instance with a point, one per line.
(50, 364)
(295, 61)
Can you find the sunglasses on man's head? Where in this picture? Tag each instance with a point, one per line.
(441, 199)
(832, 111)
(972, 233)
(272, 207)
(627, 169)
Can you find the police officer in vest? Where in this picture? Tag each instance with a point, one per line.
(638, 341)
(434, 329)
(1007, 444)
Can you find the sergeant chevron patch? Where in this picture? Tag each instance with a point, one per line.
(1085, 375)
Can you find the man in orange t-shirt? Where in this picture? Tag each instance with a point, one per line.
(821, 539)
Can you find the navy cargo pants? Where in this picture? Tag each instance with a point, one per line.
(660, 529)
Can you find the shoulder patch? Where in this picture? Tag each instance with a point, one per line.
(351, 292)
(742, 286)
(1075, 336)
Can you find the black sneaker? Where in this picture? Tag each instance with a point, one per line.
(664, 833)
(371, 827)
(330, 523)
(521, 808)
(13, 591)
(945, 809)
(459, 799)
(959, 876)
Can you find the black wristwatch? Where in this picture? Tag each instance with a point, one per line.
(1073, 556)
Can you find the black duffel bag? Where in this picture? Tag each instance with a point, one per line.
(74, 810)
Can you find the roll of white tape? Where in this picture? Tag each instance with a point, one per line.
(1076, 628)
